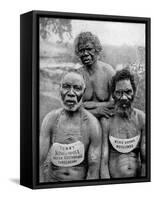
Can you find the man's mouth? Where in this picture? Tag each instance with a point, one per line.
(70, 102)
(123, 104)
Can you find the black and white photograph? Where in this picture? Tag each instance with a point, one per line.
(76, 100)
(92, 100)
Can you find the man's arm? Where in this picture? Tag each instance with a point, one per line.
(105, 150)
(143, 145)
(94, 152)
(45, 142)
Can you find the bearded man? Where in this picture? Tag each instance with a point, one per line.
(97, 74)
(123, 147)
(70, 140)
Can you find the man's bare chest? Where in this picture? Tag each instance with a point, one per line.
(124, 129)
(68, 131)
(69, 143)
(124, 136)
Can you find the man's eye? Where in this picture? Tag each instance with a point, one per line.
(118, 93)
(128, 92)
(81, 50)
(65, 86)
(78, 88)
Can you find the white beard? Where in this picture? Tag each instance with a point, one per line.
(72, 108)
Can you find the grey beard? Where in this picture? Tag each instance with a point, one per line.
(123, 113)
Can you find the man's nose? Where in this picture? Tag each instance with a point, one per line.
(85, 52)
(71, 93)
(124, 97)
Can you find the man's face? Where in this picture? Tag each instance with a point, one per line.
(87, 53)
(72, 90)
(123, 96)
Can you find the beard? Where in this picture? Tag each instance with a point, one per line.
(71, 104)
(123, 108)
(72, 108)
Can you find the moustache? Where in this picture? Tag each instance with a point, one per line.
(123, 103)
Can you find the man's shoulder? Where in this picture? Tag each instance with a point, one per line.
(138, 111)
(93, 121)
(92, 124)
(52, 115)
(139, 114)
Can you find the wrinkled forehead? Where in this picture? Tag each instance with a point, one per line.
(73, 79)
(123, 85)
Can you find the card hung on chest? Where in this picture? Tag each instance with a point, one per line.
(85, 99)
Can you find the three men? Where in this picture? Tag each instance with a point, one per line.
(97, 74)
(70, 140)
(123, 147)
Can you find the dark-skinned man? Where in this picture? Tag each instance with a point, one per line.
(97, 74)
(70, 140)
(123, 147)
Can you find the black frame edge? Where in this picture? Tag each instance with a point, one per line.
(33, 74)
(26, 100)
(93, 16)
(148, 95)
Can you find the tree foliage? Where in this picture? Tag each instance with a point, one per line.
(59, 26)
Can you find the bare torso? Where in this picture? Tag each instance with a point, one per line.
(124, 139)
(69, 141)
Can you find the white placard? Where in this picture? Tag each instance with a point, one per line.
(67, 155)
(124, 145)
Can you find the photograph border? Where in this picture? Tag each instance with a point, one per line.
(34, 80)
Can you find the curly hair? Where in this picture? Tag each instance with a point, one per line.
(123, 74)
(84, 37)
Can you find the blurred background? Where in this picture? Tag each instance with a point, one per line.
(123, 47)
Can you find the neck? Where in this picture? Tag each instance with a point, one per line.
(72, 114)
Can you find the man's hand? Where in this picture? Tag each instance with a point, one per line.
(100, 109)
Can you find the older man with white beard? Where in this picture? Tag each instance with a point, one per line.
(70, 140)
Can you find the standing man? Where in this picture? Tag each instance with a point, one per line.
(70, 140)
(123, 147)
(97, 74)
